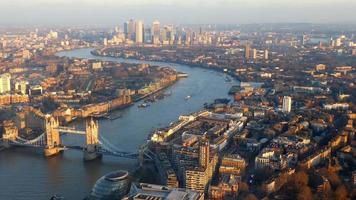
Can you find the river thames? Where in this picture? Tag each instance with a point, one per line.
(27, 174)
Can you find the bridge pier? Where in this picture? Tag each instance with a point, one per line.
(89, 156)
(52, 151)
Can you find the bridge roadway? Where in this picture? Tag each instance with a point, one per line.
(106, 152)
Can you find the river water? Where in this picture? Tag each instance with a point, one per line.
(26, 174)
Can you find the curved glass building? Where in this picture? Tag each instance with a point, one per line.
(114, 185)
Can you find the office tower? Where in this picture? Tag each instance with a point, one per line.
(164, 35)
(5, 80)
(204, 153)
(147, 35)
(247, 51)
(266, 54)
(131, 29)
(254, 54)
(156, 30)
(139, 32)
(287, 104)
(126, 29)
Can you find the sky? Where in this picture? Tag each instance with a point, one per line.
(115, 12)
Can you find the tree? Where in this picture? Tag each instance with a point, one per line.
(243, 187)
(250, 197)
(341, 193)
(304, 193)
(300, 179)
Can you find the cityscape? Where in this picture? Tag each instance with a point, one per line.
(147, 109)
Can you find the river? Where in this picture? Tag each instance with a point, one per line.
(26, 174)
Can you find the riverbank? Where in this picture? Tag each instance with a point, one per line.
(208, 67)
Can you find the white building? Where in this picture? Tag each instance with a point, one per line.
(139, 32)
(287, 104)
(5, 81)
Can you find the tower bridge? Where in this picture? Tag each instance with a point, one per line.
(95, 146)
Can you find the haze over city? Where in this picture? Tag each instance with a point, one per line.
(111, 12)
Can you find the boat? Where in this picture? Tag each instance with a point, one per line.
(143, 105)
(56, 197)
(168, 93)
(187, 97)
(228, 79)
(182, 75)
(115, 117)
(100, 115)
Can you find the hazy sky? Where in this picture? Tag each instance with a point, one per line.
(111, 12)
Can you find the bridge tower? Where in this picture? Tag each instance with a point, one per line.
(92, 140)
(53, 139)
(10, 133)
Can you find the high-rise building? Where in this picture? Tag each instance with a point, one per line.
(204, 155)
(266, 54)
(126, 29)
(247, 51)
(147, 35)
(131, 29)
(196, 178)
(254, 54)
(5, 83)
(139, 32)
(156, 30)
(287, 104)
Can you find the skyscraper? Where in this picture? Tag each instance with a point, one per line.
(131, 29)
(147, 35)
(254, 54)
(139, 32)
(287, 104)
(5, 83)
(156, 30)
(247, 51)
(126, 29)
(266, 54)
